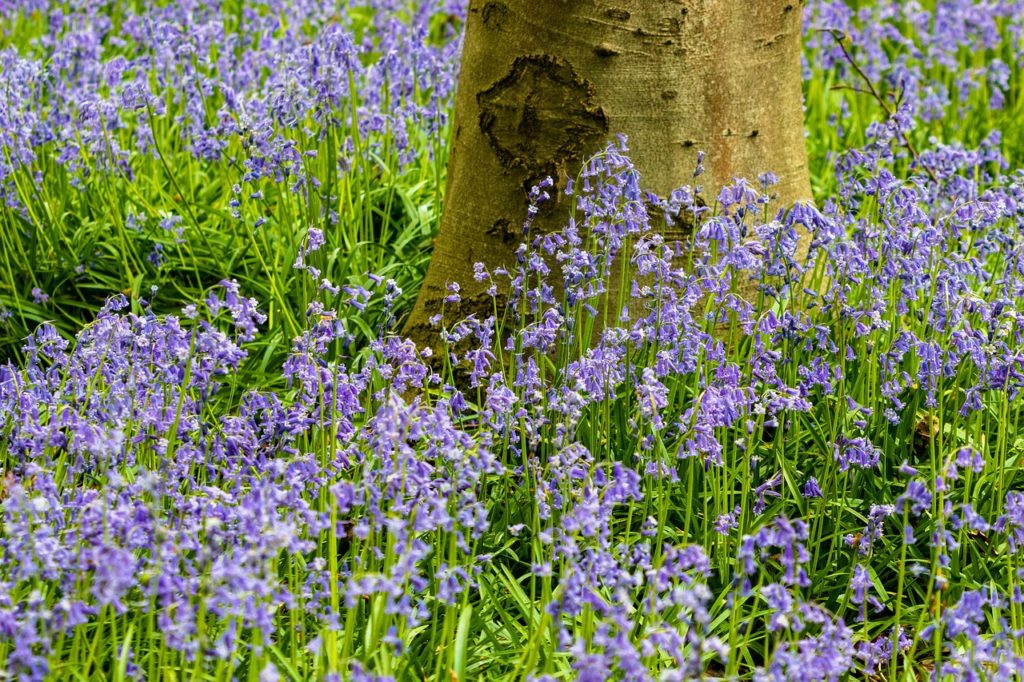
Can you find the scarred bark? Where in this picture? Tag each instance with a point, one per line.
(544, 83)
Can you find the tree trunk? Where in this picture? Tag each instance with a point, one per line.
(544, 83)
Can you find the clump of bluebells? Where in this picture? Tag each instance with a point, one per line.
(749, 463)
(180, 143)
(832, 488)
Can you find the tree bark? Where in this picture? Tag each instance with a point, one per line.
(545, 83)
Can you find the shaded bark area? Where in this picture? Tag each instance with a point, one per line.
(545, 84)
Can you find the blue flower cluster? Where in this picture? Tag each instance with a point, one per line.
(721, 459)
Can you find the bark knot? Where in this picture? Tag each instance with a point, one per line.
(540, 115)
(495, 15)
